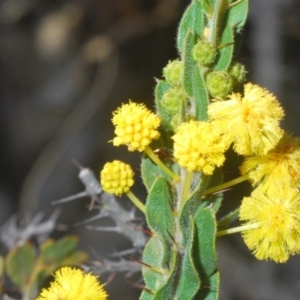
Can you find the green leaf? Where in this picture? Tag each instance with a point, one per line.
(207, 258)
(159, 212)
(189, 281)
(53, 252)
(226, 52)
(153, 256)
(74, 258)
(19, 264)
(167, 290)
(192, 20)
(237, 15)
(210, 289)
(188, 63)
(200, 94)
(206, 242)
(191, 205)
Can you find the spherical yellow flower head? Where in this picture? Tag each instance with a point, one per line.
(136, 126)
(197, 147)
(73, 284)
(277, 217)
(251, 121)
(279, 168)
(116, 177)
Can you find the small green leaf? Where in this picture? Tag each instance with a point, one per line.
(200, 94)
(167, 290)
(150, 171)
(74, 258)
(226, 52)
(191, 205)
(192, 20)
(159, 212)
(189, 281)
(19, 264)
(153, 256)
(237, 15)
(206, 242)
(188, 63)
(53, 252)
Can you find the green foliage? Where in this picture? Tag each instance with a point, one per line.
(28, 267)
(180, 260)
(19, 264)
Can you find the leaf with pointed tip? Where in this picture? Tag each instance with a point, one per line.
(188, 63)
(192, 20)
(159, 212)
(200, 94)
(191, 205)
(189, 281)
(237, 15)
(226, 52)
(206, 242)
(153, 256)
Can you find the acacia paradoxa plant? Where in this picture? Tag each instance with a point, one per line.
(203, 106)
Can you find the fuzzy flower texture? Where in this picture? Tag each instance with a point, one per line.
(276, 216)
(135, 126)
(249, 121)
(73, 284)
(198, 147)
(279, 168)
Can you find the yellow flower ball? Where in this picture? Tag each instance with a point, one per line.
(198, 147)
(278, 224)
(249, 121)
(116, 177)
(136, 126)
(73, 284)
(279, 168)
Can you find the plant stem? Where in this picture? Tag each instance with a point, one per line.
(225, 185)
(238, 229)
(159, 163)
(187, 185)
(136, 201)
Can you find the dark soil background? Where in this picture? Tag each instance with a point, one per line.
(66, 65)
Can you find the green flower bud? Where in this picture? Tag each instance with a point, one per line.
(205, 53)
(172, 99)
(219, 84)
(238, 72)
(173, 72)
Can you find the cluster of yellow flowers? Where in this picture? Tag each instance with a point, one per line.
(248, 122)
(73, 284)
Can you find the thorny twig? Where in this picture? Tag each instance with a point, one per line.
(109, 207)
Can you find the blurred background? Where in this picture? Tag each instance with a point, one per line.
(66, 65)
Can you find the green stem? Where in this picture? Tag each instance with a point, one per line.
(187, 185)
(225, 185)
(136, 201)
(238, 229)
(159, 163)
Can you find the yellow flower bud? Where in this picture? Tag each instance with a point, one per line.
(135, 126)
(116, 177)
